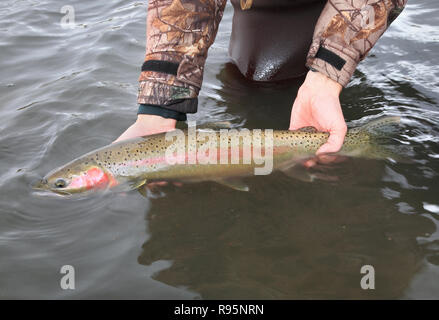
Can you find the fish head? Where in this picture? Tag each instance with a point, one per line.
(76, 177)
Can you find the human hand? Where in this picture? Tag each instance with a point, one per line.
(317, 104)
(147, 124)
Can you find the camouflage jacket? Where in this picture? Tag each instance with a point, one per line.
(180, 32)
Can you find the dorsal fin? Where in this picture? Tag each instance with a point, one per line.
(308, 129)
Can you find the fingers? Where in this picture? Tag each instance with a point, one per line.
(298, 120)
(147, 124)
(324, 159)
(310, 163)
(296, 125)
(335, 140)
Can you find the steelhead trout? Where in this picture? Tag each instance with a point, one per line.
(205, 155)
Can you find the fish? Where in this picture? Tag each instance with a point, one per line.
(175, 156)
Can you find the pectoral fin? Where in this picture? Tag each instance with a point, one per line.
(143, 191)
(127, 184)
(235, 184)
(136, 184)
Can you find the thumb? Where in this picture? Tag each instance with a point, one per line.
(335, 140)
(298, 118)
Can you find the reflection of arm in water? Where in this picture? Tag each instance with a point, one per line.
(179, 34)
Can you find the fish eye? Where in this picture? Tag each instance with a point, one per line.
(60, 183)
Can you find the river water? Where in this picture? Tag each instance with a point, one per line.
(65, 92)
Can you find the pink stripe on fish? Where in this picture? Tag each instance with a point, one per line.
(93, 178)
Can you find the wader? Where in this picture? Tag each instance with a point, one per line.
(271, 39)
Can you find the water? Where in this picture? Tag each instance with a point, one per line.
(67, 91)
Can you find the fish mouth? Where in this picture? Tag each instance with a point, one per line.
(41, 185)
(60, 192)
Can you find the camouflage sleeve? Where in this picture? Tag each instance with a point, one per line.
(346, 31)
(179, 33)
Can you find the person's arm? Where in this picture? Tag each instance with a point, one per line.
(179, 34)
(343, 36)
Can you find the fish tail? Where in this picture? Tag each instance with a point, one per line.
(381, 132)
(381, 126)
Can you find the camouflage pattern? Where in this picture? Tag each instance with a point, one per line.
(246, 4)
(182, 31)
(178, 31)
(350, 28)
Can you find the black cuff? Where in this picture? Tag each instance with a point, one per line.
(189, 105)
(160, 111)
(330, 57)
